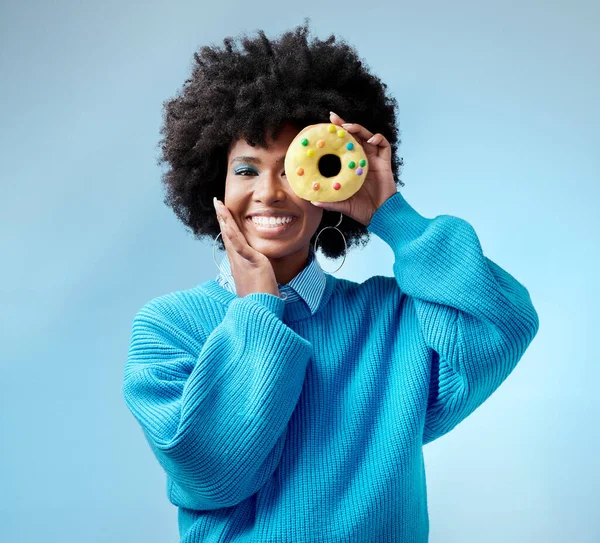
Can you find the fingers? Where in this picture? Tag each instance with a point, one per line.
(353, 128)
(374, 144)
(358, 130)
(375, 140)
(232, 236)
(335, 118)
(222, 226)
(381, 145)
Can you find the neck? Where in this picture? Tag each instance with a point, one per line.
(287, 267)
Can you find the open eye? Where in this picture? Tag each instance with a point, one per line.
(245, 172)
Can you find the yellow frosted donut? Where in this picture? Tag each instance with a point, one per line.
(324, 163)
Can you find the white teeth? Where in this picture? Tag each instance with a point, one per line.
(271, 220)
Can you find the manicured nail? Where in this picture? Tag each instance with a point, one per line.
(370, 140)
(346, 125)
(215, 201)
(332, 113)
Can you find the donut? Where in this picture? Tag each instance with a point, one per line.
(324, 163)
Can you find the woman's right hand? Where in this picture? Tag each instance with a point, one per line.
(251, 270)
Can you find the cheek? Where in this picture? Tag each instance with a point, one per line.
(234, 201)
(313, 218)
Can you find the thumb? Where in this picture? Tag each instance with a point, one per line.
(331, 206)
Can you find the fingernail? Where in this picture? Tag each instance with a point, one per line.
(215, 201)
(346, 125)
(332, 113)
(370, 140)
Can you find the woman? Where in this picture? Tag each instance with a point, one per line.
(285, 404)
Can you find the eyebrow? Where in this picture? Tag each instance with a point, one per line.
(255, 160)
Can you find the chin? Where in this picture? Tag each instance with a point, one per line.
(272, 248)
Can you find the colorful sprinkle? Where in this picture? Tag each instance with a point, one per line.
(337, 186)
(351, 164)
(304, 142)
(321, 143)
(349, 146)
(363, 163)
(341, 133)
(359, 171)
(316, 186)
(332, 128)
(310, 152)
(300, 171)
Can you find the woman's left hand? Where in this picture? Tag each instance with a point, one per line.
(379, 184)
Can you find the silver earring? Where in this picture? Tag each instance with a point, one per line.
(343, 237)
(214, 259)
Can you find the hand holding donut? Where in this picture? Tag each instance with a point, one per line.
(379, 183)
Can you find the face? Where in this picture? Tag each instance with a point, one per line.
(256, 183)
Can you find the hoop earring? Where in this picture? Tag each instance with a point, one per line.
(213, 251)
(343, 237)
(314, 246)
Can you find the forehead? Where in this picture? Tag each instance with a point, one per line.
(274, 146)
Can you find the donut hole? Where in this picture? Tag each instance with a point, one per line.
(330, 165)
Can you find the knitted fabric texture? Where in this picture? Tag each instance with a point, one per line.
(276, 424)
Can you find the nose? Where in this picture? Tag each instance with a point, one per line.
(270, 188)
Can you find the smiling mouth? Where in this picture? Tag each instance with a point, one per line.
(273, 228)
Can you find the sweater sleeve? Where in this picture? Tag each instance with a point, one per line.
(214, 407)
(476, 318)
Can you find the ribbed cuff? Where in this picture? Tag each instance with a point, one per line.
(270, 301)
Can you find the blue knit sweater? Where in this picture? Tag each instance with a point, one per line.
(274, 424)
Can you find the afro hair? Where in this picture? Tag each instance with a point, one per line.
(253, 91)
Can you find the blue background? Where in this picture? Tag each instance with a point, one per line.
(499, 117)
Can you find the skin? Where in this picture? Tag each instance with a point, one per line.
(254, 186)
(251, 186)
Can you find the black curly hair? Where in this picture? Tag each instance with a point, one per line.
(232, 94)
